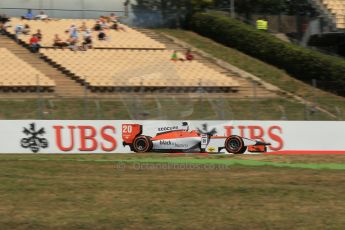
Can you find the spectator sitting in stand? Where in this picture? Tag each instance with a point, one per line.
(118, 27)
(26, 29)
(18, 30)
(189, 56)
(103, 22)
(73, 32)
(97, 26)
(112, 18)
(174, 57)
(4, 22)
(4, 19)
(102, 36)
(34, 44)
(2, 27)
(28, 15)
(39, 35)
(72, 43)
(83, 27)
(42, 16)
(73, 37)
(87, 44)
(58, 43)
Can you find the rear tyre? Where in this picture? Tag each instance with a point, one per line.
(142, 144)
(235, 144)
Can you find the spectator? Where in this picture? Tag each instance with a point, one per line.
(72, 44)
(26, 29)
(4, 22)
(4, 18)
(189, 56)
(118, 27)
(28, 15)
(42, 16)
(34, 44)
(112, 18)
(87, 44)
(175, 56)
(18, 30)
(102, 36)
(58, 43)
(2, 27)
(103, 22)
(73, 32)
(39, 35)
(97, 26)
(83, 27)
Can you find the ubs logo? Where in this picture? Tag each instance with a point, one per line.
(34, 140)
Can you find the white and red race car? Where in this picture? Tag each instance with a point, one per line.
(180, 139)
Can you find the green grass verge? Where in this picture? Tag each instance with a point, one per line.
(167, 160)
(210, 162)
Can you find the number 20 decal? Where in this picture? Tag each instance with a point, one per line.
(127, 129)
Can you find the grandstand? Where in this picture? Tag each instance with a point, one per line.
(337, 9)
(19, 75)
(136, 68)
(129, 61)
(127, 39)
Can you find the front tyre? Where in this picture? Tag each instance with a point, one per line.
(235, 144)
(142, 144)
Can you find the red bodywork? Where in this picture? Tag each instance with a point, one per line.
(130, 132)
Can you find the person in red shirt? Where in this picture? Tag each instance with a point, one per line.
(189, 56)
(34, 44)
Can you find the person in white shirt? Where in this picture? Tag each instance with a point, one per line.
(41, 16)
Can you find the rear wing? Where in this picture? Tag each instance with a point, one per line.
(130, 132)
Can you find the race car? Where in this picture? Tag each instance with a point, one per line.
(180, 139)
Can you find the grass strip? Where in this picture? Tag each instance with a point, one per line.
(232, 162)
(333, 166)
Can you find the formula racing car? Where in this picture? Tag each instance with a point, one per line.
(180, 139)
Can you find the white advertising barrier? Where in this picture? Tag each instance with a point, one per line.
(106, 136)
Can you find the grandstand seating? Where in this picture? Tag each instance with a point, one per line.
(16, 74)
(129, 38)
(128, 61)
(113, 69)
(337, 7)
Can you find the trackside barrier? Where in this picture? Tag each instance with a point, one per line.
(116, 136)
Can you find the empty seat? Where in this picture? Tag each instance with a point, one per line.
(115, 68)
(14, 72)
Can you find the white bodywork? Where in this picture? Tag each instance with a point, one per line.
(209, 144)
(176, 143)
